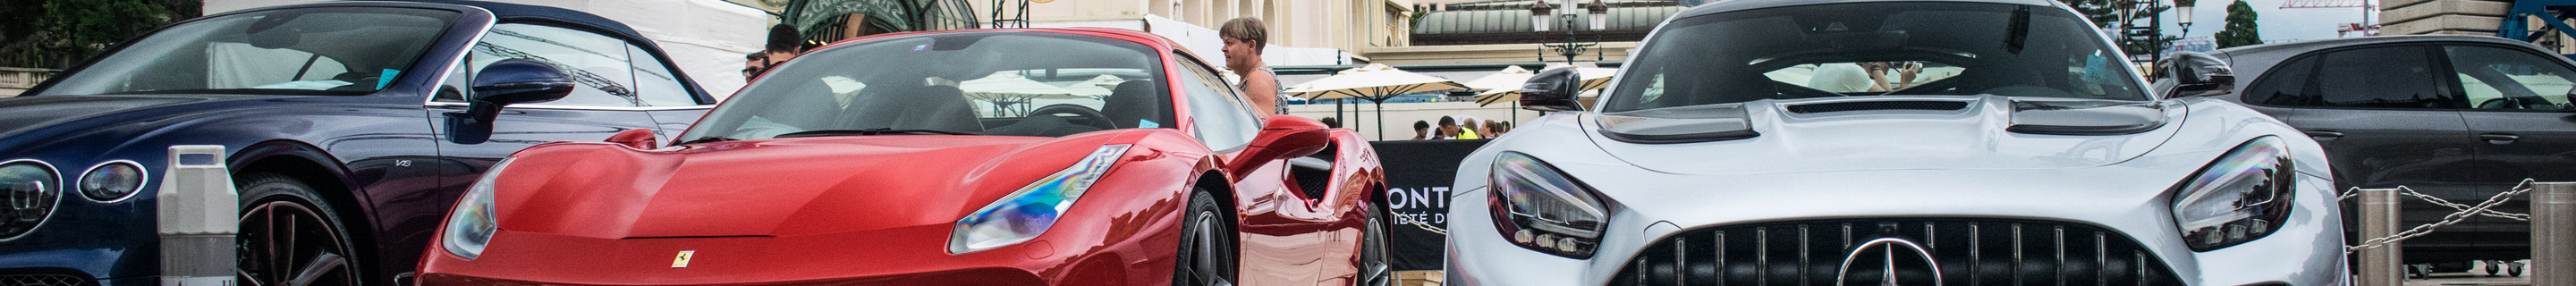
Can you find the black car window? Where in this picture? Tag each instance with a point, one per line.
(2498, 78)
(2289, 84)
(289, 51)
(2380, 77)
(599, 64)
(655, 84)
(1223, 121)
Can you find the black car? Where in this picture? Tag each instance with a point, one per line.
(2457, 117)
(349, 128)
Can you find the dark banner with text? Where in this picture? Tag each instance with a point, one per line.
(1418, 177)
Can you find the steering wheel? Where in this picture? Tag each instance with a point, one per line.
(1097, 120)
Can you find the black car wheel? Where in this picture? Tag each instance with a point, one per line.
(290, 237)
(1375, 269)
(1207, 254)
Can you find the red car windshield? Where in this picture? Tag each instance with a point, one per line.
(978, 83)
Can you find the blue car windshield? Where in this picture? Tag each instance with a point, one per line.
(308, 51)
(1865, 49)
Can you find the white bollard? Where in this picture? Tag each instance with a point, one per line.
(199, 213)
(2380, 266)
(2553, 234)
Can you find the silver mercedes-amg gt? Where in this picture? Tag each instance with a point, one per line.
(1887, 142)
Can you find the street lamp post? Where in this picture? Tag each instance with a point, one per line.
(1541, 15)
(2184, 19)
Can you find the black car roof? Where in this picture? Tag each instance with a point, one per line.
(506, 12)
(1741, 5)
(2304, 46)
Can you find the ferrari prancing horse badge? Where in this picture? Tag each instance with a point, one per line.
(683, 260)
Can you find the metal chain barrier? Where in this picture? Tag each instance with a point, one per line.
(2466, 211)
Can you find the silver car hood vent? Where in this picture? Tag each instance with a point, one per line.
(1878, 105)
(2085, 117)
(1990, 133)
(1705, 123)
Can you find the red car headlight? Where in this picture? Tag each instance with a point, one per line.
(471, 225)
(1024, 214)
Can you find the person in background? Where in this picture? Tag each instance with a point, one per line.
(1494, 129)
(1329, 122)
(1421, 130)
(784, 44)
(1467, 128)
(1448, 129)
(1244, 39)
(754, 64)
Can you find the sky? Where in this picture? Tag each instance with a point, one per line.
(2274, 23)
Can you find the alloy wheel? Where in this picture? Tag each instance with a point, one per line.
(287, 244)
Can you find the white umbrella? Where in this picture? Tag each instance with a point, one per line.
(1511, 77)
(1593, 78)
(1373, 82)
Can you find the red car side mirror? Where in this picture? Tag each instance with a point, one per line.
(640, 139)
(1282, 137)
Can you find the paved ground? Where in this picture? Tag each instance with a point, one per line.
(2463, 279)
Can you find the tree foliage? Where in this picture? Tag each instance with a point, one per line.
(2240, 27)
(56, 34)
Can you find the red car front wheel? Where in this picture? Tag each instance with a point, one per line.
(1207, 244)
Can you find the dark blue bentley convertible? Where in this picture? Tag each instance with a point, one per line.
(349, 128)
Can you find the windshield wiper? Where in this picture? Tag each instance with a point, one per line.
(704, 140)
(870, 131)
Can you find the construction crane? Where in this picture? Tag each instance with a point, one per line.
(2553, 13)
(2365, 27)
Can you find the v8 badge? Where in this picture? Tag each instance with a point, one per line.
(682, 261)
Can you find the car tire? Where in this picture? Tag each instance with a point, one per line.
(1207, 255)
(1375, 267)
(289, 236)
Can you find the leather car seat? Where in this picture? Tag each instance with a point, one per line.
(1135, 101)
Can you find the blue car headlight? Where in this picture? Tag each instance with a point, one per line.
(2243, 196)
(1024, 214)
(1539, 208)
(471, 225)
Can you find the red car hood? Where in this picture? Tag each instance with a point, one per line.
(774, 187)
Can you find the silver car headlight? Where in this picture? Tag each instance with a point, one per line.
(1024, 214)
(1539, 208)
(2243, 196)
(112, 181)
(471, 225)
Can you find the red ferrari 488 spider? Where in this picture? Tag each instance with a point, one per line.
(985, 157)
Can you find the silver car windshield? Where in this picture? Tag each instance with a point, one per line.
(306, 51)
(959, 83)
(1865, 49)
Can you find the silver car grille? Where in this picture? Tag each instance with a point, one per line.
(1962, 251)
